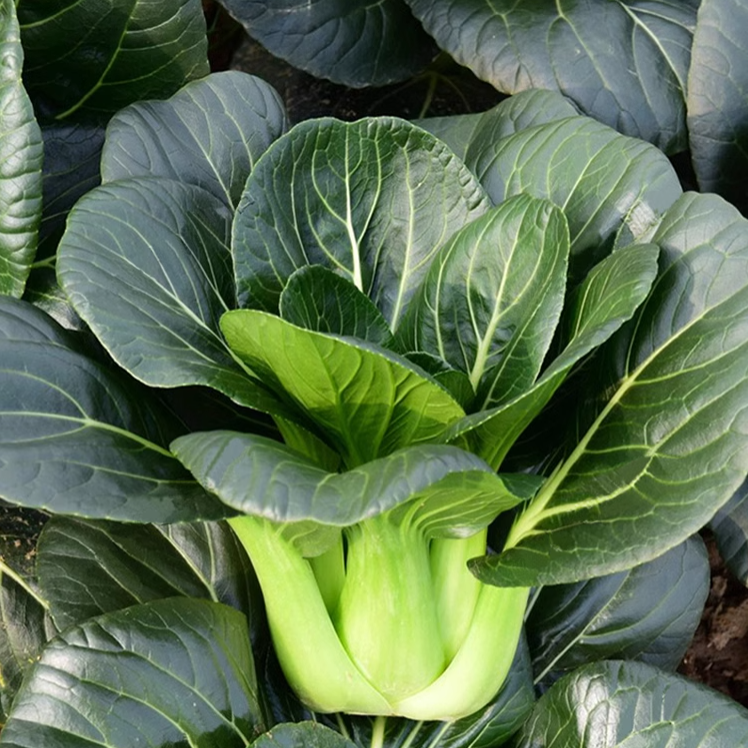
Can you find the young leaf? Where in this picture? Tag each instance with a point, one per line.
(302, 735)
(179, 670)
(492, 298)
(366, 400)
(146, 264)
(670, 446)
(371, 199)
(209, 134)
(621, 704)
(21, 153)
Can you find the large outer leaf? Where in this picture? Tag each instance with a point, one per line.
(88, 568)
(670, 446)
(718, 99)
(630, 704)
(367, 401)
(353, 42)
(623, 62)
(209, 134)
(491, 300)
(371, 199)
(613, 189)
(76, 439)
(97, 56)
(146, 264)
(171, 672)
(20, 163)
(649, 614)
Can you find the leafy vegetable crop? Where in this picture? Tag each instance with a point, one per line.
(432, 396)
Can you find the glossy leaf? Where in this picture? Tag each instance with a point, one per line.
(367, 401)
(632, 77)
(140, 49)
(371, 200)
(79, 439)
(179, 671)
(608, 297)
(21, 153)
(145, 263)
(648, 613)
(348, 41)
(209, 134)
(730, 528)
(612, 704)
(87, 568)
(669, 448)
(302, 735)
(718, 100)
(318, 299)
(492, 298)
(612, 189)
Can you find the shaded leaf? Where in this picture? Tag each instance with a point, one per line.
(632, 77)
(180, 672)
(209, 134)
(20, 163)
(141, 49)
(371, 200)
(611, 704)
(730, 528)
(302, 735)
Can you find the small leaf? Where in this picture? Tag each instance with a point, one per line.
(366, 400)
(180, 672)
(209, 134)
(371, 200)
(21, 153)
(302, 735)
(621, 704)
(318, 299)
(730, 528)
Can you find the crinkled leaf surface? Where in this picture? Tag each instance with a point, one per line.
(21, 153)
(648, 613)
(145, 263)
(622, 704)
(608, 297)
(491, 300)
(353, 42)
(669, 447)
(623, 62)
(371, 199)
(319, 299)
(167, 673)
(730, 528)
(366, 400)
(139, 50)
(210, 133)
(77, 438)
(612, 189)
(718, 100)
(87, 568)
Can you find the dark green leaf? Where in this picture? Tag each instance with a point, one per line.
(670, 446)
(89, 568)
(318, 299)
(353, 42)
(168, 673)
(649, 613)
(621, 704)
(623, 62)
(372, 200)
(718, 99)
(145, 263)
(20, 163)
(44, 292)
(302, 735)
(96, 56)
(367, 401)
(79, 439)
(491, 300)
(209, 134)
(612, 189)
(730, 528)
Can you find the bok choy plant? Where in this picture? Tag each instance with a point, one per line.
(450, 379)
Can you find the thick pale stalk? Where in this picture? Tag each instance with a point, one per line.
(387, 616)
(329, 571)
(309, 651)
